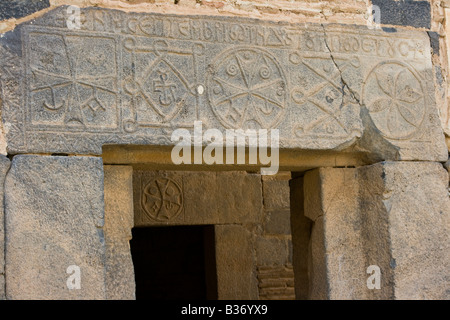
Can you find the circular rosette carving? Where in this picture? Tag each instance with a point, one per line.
(247, 89)
(394, 95)
(162, 199)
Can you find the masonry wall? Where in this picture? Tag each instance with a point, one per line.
(251, 215)
(270, 253)
(274, 241)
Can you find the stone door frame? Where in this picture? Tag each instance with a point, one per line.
(356, 109)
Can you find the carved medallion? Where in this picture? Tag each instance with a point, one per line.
(394, 96)
(162, 199)
(247, 89)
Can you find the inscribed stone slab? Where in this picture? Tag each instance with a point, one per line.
(132, 78)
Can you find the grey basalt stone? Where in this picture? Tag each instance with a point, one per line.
(21, 8)
(404, 13)
(54, 211)
(133, 78)
(4, 167)
(406, 210)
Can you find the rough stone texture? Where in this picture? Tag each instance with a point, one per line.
(276, 283)
(271, 251)
(447, 165)
(324, 88)
(21, 8)
(345, 11)
(276, 194)
(236, 278)
(405, 13)
(331, 202)
(445, 62)
(392, 214)
(407, 228)
(54, 213)
(318, 281)
(4, 167)
(278, 222)
(273, 245)
(221, 199)
(193, 198)
(119, 217)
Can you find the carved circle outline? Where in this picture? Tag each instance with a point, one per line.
(156, 216)
(221, 58)
(419, 80)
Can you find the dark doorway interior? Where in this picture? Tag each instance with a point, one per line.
(174, 263)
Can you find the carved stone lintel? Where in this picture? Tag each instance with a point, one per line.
(133, 78)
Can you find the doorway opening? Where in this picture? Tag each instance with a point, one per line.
(174, 263)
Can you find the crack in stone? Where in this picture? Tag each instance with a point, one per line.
(344, 83)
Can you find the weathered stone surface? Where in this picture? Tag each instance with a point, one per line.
(4, 167)
(278, 222)
(135, 82)
(447, 165)
(405, 13)
(276, 194)
(193, 198)
(119, 215)
(54, 213)
(337, 259)
(276, 283)
(21, 8)
(406, 234)
(236, 278)
(271, 251)
(2, 286)
(318, 282)
(394, 215)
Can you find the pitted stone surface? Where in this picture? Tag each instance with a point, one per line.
(120, 283)
(394, 215)
(406, 210)
(54, 211)
(196, 198)
(4, 167)
(132, 78)
(21, 8)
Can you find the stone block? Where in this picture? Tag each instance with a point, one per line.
(2, 286)
(317, 265)
(196, 198)
(239, 197)
(278, 222)
(324, 87)
(21, 8)
(54, 217)
(394, 215)
(331, 199)
(120, 281)
(405, 13)
(409, 236)
(447, 166)
(236, 278)
(4, 167)
(276, 194)
(119, 216)
(271, 251)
